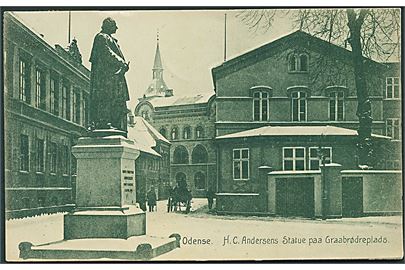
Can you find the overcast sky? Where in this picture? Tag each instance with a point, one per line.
(191, 42)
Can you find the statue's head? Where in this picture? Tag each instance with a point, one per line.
(109, 26)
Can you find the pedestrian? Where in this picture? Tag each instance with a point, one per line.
(210, 198)
(151, 200)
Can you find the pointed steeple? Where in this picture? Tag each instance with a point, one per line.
(158, 86)
(157, 64)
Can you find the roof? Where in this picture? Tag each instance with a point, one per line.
(180, 100)
(157, 64)
(145, 136)
(298, 37)
(57, 51)
(268, 131)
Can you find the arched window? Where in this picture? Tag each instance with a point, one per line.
(303, 62)
(336, 106)
(163, 132)
(199, 132)
(175, 133)
(199, 155)
(261, 106)
(181, 180)
(299, 106)
(180, 155)
(199, 180)
(298, 62)
(187, 133)
(292, 63)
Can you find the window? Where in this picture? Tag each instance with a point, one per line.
(260, 106)
(65, 101)
(163, 132)
(180, 155)
(392, 88)
(24, 153)
(24, 81)
(292, 60)
(336, 106)
(316, 155)
(392, 128)
(76, 106)
(175, 133)
(303, 62)
(52, 157)
(65, 159)
(85, 104)
(241, 164)
(199, 181)
(298, 62)
(54, 94)
(40, 92)
(40, 156)
(199, 155)
(187, 133)
(199, 132)
(181, 180)
(299, 106)
(294, 158)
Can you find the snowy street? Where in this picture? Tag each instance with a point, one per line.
(210, 237)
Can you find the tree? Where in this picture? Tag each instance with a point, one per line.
(371, 33)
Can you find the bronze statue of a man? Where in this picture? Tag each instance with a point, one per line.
(108, 87)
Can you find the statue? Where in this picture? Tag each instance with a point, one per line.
(73, 50)
(108, 87)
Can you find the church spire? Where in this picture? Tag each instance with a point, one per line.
(157, 65)
(158, 87)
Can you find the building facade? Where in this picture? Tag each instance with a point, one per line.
(302, 86)
(152, 167)
(188, 122)
(45, 107)
(296, 103)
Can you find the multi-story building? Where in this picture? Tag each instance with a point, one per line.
(152, 167)
(188, 122)
(46, 94)
(283, 105)
(296, 102)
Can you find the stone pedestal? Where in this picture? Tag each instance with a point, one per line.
(106, 222)
(105, 190)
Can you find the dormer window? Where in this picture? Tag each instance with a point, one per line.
(298, 62)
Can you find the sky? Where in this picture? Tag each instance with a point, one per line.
(191, 42)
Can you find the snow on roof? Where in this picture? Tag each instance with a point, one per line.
(180, 100)
(295, 131)
(145, 136)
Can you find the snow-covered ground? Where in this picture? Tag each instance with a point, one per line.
(230, 238)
